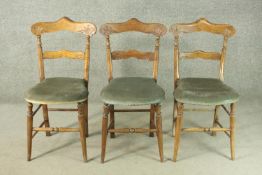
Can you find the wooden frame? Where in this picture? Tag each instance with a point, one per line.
(38, 29)
(132, 25)
(201, 25)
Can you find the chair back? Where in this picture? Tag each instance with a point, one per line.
(63, 24)
(133, 25)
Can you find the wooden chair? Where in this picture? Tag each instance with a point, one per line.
(60, 90)
(202, 91)
(132, 90)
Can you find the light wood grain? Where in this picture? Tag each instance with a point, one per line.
(46, 118)
(87, 60)
(201, 54)
(152, 120)
(56, 129)
(203, 25)
(29, 130)
(64, 24)
(156, 58)
(178, 126)
(232, 130)
(131, 130)
(109, 59)
(82, 129)
(159, 133)
(222, 60)
(104, 132)
(204, 129)
(133, 25)
(41, 67)
(116, 55)
(63, 54)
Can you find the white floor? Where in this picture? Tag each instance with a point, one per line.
(131, 153)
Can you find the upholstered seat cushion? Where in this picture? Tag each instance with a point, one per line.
(132, 91)
(204, 91)
(58, 90)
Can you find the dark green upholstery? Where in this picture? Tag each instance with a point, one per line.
(58, 90)
(132, 91)
(204, 91)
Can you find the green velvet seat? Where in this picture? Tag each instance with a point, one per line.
(204, 91)
(132, 91)
(58, 90)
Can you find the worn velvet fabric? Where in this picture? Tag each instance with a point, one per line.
(58, 90)
(204, 91)
(132, 91)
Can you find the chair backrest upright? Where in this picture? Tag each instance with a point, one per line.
(201, 25)
(133, 25)
(63, 24)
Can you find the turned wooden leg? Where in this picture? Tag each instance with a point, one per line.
(159, 132)
(112, 120)
(152, 120)
(82, 128)
(104, 132)
(232, 130)
(213, 133)
(178, 129)
(29, 130)
(46, 119)
(86, 116)
(174, 118)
